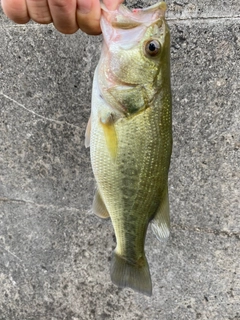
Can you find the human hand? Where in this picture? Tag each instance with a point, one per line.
(67, 15)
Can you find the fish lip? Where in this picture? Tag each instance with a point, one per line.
(120, 83)
(124, 18)
(160, 5)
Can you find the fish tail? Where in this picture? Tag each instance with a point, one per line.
(135, 276)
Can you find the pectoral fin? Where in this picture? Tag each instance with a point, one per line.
(110, 134)
(87, 133)
(99, 207)
(161, 220)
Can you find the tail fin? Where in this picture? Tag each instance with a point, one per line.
(124, 274)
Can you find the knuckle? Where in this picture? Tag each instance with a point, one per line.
(15, 12)
(61, 4)
(42, 17)
(39, 12)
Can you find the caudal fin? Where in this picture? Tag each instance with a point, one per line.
(125, 274)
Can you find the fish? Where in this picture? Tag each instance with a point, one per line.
(130, 136)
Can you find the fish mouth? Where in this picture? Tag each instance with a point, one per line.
(124, 18)
(126, 27)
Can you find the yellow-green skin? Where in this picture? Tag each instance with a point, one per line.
(131, 148)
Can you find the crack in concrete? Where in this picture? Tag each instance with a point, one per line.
(201, 19)
(37, 114)
(178, 19)
(207, 230)
(22, 201)
(12, 254)
(173, 226)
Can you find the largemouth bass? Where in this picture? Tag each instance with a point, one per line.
(130, 135)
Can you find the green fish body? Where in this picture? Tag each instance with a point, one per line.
(130, 136)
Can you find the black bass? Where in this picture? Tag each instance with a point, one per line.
(130, 135)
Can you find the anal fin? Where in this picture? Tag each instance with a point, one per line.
(161, 221)
(99, 207)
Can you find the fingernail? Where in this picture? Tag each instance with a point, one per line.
(84, 6)
(109, 5)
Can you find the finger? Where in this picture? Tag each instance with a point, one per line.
(16, 10)
(112, 4)
(38, 10)
(63, 13)
(88, 16)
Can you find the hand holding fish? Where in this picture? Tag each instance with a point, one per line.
(67, 15)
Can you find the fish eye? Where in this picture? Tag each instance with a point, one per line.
(152, 48)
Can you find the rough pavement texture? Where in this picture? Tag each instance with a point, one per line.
(54, 253)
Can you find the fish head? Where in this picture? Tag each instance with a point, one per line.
(135, 50)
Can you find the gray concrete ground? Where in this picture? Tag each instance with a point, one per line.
(54, 253)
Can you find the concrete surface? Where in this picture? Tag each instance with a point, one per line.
(54, 253)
